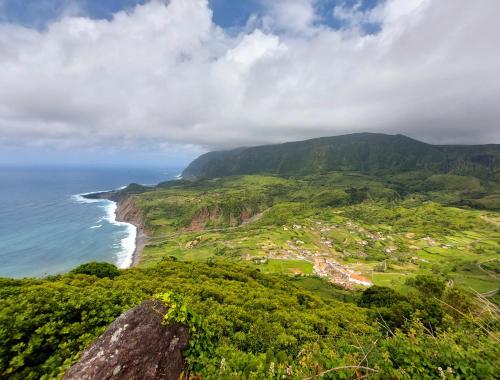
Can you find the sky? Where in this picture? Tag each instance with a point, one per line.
(138, 82)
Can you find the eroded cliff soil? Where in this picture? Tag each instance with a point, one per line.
(127, 211)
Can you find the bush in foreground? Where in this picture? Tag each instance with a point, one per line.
(253, 326)
(100, 270)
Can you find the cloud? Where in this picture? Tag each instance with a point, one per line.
(166, 75)
(295, 16)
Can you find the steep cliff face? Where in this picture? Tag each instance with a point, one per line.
(127, 211)
(216, 216)
(135, 346)
(203, 217)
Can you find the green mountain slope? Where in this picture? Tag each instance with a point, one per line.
(364, 152)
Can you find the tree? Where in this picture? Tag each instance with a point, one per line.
(379, 296)
(428, 285)
(100, 270)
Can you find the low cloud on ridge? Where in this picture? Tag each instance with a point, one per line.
(167, 76)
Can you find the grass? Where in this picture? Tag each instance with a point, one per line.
(286, 266)
(245, 254)
(297, 218)
(393, 280)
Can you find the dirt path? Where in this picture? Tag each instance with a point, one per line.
(488, 272)
(491, 220)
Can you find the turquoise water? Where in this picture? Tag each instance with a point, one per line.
(47, 228)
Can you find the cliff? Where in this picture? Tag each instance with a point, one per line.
(128, 212)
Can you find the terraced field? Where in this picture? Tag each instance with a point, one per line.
(351, 229)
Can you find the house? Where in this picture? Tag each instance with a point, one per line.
(357, 279)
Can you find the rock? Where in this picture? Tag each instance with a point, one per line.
(127, 211)
(135, 346)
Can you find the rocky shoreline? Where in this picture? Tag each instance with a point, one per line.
(127, 212)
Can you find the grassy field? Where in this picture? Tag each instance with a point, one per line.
(287, 225)
(287, 266)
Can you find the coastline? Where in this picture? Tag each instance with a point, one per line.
(141, 238)
(125, 211)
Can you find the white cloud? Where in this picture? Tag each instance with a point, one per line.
(353, 16)
(295, 16)
(394, 11)
(165, 74)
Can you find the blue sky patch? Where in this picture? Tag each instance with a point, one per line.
(226, 13)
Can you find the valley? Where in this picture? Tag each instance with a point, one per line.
(317, 227)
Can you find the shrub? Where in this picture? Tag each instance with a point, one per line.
(99, 270)
(379, 296)
(428, 285)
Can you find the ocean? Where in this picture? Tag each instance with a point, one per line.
(47, 227)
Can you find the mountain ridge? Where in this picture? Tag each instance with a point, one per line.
(373, 153)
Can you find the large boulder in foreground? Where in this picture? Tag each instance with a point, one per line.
(135, 346)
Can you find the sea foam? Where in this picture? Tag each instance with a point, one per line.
(127, 244)
(80, 198)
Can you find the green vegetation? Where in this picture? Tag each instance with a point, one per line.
(270, 273)
(287, 225)
(248, 324)
(363, 152)
(100, 270)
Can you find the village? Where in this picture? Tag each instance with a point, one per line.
(325, 257)
(324, 264)
(337, 251)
